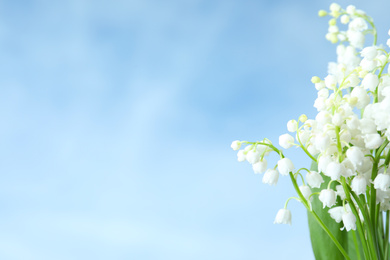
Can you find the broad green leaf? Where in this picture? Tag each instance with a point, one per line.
(322, 244)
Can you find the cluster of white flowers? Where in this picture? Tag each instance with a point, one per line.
(348, 138)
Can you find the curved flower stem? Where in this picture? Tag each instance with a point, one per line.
(304, 148)
(320, 222)
(368, 251)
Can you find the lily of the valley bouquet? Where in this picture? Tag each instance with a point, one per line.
(346, 191)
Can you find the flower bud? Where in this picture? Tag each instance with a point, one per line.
(285, 166)
(315, 79)
(332, 22)
(283, 217)
(328, 197)
(322, 13)
(302, 118)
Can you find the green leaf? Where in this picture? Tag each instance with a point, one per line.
(323, 246)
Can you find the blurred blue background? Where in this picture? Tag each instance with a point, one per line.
(117, 119)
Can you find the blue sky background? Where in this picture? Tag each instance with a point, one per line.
(117, 118)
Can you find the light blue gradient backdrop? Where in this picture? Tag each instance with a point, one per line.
(117, 117)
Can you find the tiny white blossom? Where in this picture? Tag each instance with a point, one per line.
(344, 19)
(271, 177)
(373, 141)
(351, 9)
(241, 156)
(336, 213)
(330, 81)
(358, 24)
(369, 52)
(285, 166)
(334, 170)
(314, 179)
(382, 182)
(236, 145)
(306, 192)
(349, 221)
(286, 141)
(335, 7)
(355, 155)
(292, 126)
(260, 166)
(283, 217)
(328, 197)
(370, 81)
(359, 184)
(253, 156)
(340, 192)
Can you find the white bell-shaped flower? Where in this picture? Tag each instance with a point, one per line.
(306, 191)
(283, 217)
(323, 162)
(235, 145)
(336, 213)
(285, 166)
(340, 192)
(359, 184)
(373, 141)
(286, 141)
(358, 24)
(260, 166)
(355, 155)
(363, 99)
(327, 197)
(330, 81)
(241, 156)
(292, 126)
(349, 221)
(314, 179)
(253, 156)
(382, 182)
(271, 177)
(370, 81)
(334, 170)
(369, 52)
(322, 142)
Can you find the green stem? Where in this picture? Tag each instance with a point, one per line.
(320, 222)
(356, 244)
(386, 239)
(368, 251)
